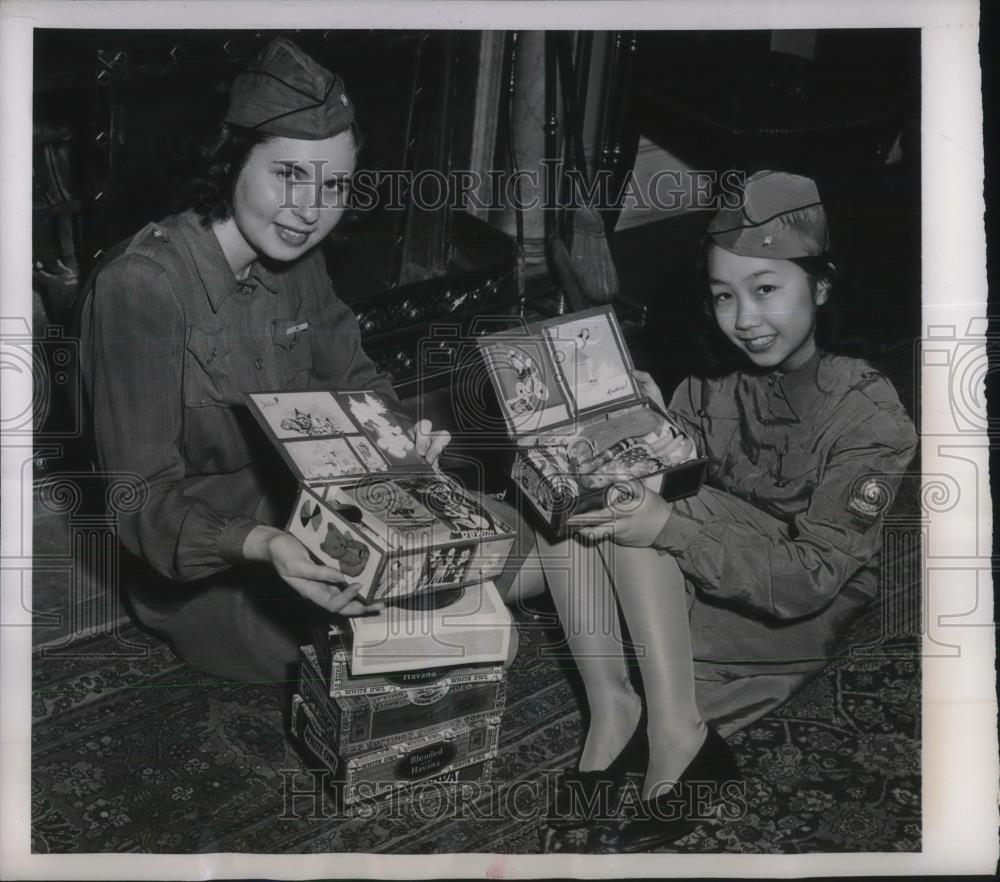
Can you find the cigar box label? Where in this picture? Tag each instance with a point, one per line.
(315, 741)
(399, 717)
(342, 683)
(364, 726)
(312, 689)
(306, 727)
(358, 724)
(428, 695)
(483, 735)
(426, 761)
(379, 782)
(367, 803)
(432, 758)
(413, 679)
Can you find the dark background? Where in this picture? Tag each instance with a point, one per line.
(131, 106)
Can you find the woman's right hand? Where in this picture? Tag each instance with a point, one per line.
(326, 586)
(649, 388)
(674, 450)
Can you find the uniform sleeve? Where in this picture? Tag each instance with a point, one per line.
(784, 571)
(133, 337)
(339, 360)
(683, 408)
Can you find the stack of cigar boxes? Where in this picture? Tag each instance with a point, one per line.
(427, 720)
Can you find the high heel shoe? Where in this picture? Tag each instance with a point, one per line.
(712, 777)
(583, 797)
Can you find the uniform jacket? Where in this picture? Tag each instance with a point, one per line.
(780, 545)
(169, 340)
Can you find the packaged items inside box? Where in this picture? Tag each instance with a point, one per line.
(370, 505)
(570, 401)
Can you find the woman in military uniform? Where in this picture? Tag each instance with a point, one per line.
(739, 593)
(230, 296)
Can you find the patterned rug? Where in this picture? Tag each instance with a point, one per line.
(135, 751)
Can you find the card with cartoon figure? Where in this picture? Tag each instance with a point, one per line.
(592, 359)
(373, 414)
(336, 436)
(447, 567)
(334, 540)
(324, 459)
(294, 415)
(531, 393)
(549, 374)
(391, 503)
(402, 577)
(460, 512)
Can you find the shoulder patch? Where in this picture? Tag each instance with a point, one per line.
(868, 499)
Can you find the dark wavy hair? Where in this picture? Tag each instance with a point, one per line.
(221, 158)
(723, 357)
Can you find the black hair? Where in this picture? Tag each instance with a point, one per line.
(221, 158)
(723, 357)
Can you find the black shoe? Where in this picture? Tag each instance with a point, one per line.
(710, 778)
(583, 797)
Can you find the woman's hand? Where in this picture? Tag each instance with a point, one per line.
(672, 451)
(430, 444)
(634, 517)
(326, 586)
(649, 388)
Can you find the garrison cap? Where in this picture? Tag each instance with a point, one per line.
(781, 216)
(286, 93)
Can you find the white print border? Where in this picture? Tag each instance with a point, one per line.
(960, 748)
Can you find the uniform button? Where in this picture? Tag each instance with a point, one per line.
(259, 364)
(701, 412)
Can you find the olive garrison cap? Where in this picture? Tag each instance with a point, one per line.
(781, 216)
(285, 93)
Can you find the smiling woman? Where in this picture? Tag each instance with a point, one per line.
(227, 297)
(739, 593)
(766, 307)
(288, 197)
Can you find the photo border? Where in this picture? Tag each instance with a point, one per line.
(959, 700)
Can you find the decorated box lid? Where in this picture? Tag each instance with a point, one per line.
(559, 372)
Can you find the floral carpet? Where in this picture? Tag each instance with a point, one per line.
(135, 751)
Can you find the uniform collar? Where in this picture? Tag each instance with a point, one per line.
(792, 395)
(213, 269)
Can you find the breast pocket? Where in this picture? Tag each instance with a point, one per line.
(292, 351)
(207, 369)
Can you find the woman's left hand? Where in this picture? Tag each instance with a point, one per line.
(430, 444)
(634, 517)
